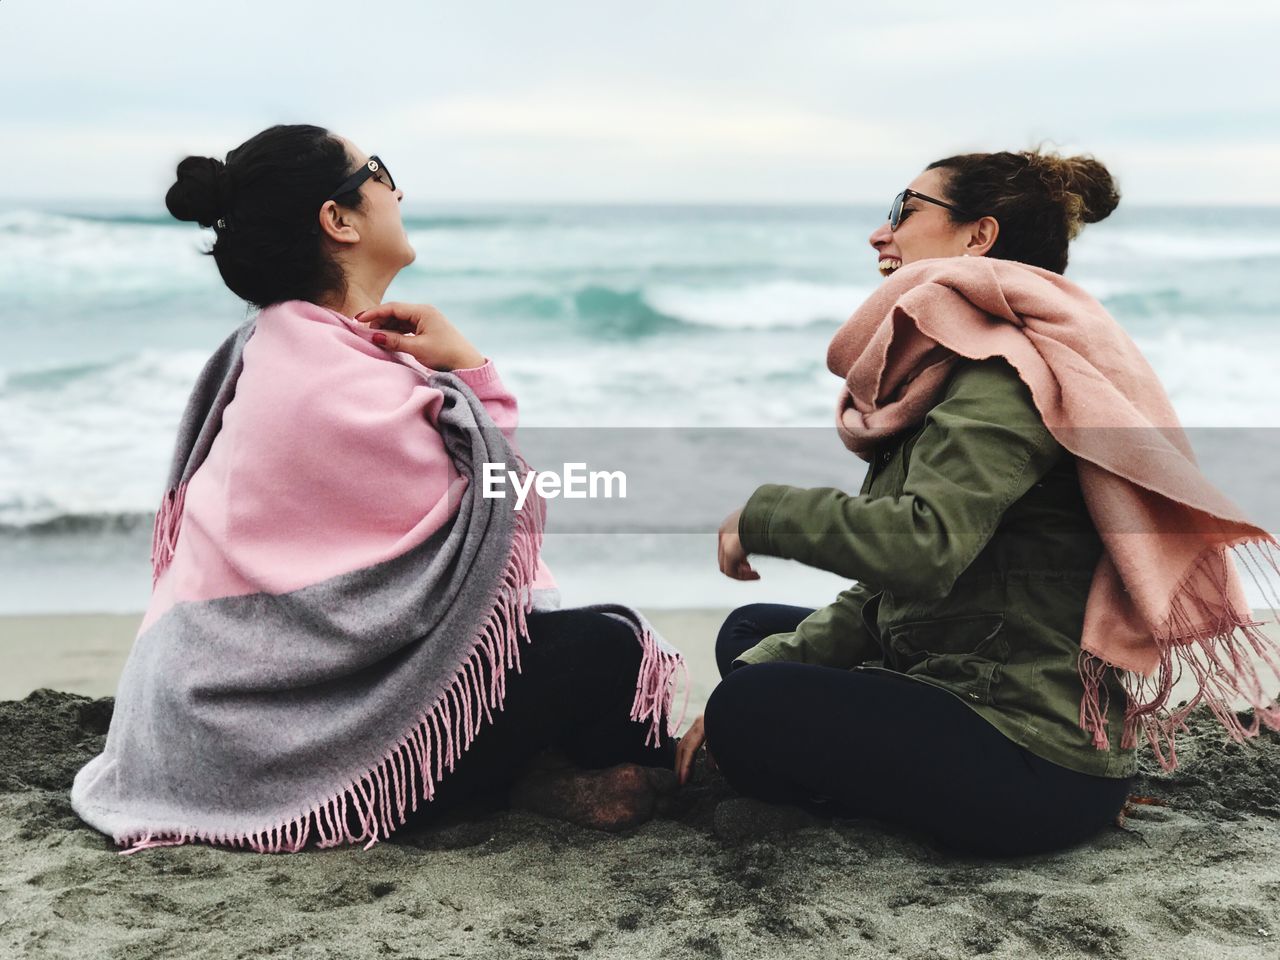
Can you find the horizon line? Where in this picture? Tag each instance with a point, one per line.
(410, 206)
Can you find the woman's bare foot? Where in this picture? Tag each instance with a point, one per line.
(614, 798)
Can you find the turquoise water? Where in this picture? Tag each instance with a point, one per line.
(639, 317)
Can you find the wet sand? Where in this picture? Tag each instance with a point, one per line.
(1195, 875)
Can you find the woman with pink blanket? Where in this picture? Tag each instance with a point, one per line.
(345, 634)
(1038, 557)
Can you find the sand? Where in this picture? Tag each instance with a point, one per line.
(1197, 876)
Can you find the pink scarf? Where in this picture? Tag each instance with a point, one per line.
(1166, 596)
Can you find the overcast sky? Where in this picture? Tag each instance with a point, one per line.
(800, 101)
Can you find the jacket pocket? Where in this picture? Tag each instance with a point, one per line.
(963, 654)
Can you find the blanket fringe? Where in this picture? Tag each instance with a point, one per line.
(164, 535)
(658, 671)
(381, 799)
(1220, 647)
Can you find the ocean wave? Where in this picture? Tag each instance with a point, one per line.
(85, 439)
(28, 221)
(43, 223)
(148, 376)
(759, 306)
(619, 312)
(1146, 245)
(473, 222)
(131, 219)
(640, 311)
(591, 312)
(80, 525)
(44, 255)
(1215, 381)
(34, 223)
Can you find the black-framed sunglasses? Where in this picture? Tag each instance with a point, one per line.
(373, 167)
(895, 211)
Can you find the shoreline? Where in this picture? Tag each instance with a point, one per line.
(84, 653)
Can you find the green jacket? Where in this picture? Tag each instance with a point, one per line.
(973, 552)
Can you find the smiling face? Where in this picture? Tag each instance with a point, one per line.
(926, 229)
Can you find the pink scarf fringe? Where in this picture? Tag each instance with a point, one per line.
(1223, 659)
(164, 534)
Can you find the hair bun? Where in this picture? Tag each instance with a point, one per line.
(1083, 186)
(199, 191)
(1092, 183)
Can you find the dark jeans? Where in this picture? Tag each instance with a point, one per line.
(879, 745)
(573, 694)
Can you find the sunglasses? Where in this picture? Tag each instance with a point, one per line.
(373, 167)
(895, 211)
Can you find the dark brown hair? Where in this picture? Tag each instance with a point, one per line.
(264, 203)
(1039, 199)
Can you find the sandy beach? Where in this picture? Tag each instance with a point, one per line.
(1193, 874)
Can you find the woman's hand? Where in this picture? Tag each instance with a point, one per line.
(687, 750)
(424, 333)
(733, 559)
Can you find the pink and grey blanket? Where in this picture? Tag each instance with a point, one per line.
(335, 605)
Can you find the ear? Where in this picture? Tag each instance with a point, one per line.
(982, 236)
(337, 225)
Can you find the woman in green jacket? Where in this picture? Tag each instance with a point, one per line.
(941, 691)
